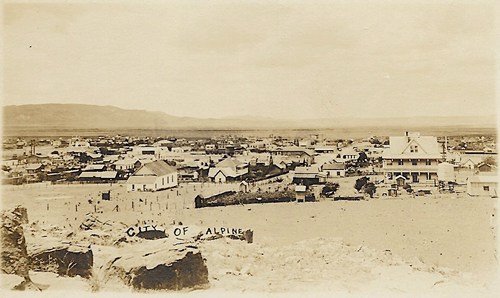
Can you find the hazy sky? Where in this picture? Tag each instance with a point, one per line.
(283, 59)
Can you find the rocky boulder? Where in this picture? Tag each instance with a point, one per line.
(159, 265)
(63, 258)
(14, 253)
(14, 256)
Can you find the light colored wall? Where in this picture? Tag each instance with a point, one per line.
(476, 188)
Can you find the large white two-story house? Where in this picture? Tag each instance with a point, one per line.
(411, 158)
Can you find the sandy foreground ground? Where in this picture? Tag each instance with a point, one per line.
(441, 245)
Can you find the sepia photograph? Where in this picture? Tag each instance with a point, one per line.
(249, 148)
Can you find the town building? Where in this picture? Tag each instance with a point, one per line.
(96, 177)
(484, 167)
(300, 193)
(94, 168)
(230, 169)
(334, 169)
(348, 154)
(325, 149)
(293, 154)
(482, 186)
(308, 176)
(127, 164)
(149, 153)
(153, 176)
(413, 157)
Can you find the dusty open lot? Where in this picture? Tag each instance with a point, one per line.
(436, 245)
(453, 231)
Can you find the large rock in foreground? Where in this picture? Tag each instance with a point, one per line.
(160, 265)
(14, 253)
(65, 259)
(15, 258)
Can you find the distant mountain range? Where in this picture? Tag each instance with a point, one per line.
(81, 116)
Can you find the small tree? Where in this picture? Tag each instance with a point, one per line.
(490, 161)
(329, 189)
(362, 159)
(360, 183)
(370, 189)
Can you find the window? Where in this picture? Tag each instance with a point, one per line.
(413, 162)
(168, 179)
(162, 181)
(389, 162)
(428, 162)
(400, 162)
(414, 177)
(486, 188)
(338, 173)
(414, 149)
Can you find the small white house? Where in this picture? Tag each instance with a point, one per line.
(334, 169)
(153, 176)
(468, 163)
(177, 150)
(230, 169)
(300, 193)
(219, 175)
(482, 186)
(126, 164)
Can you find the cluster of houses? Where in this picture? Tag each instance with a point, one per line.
(151, 164)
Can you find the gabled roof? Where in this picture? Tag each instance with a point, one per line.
(484, 164)
(214, 171)
(228, 172)
(427, 147)
(466, 161)
(229, 163)
(156, 168)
